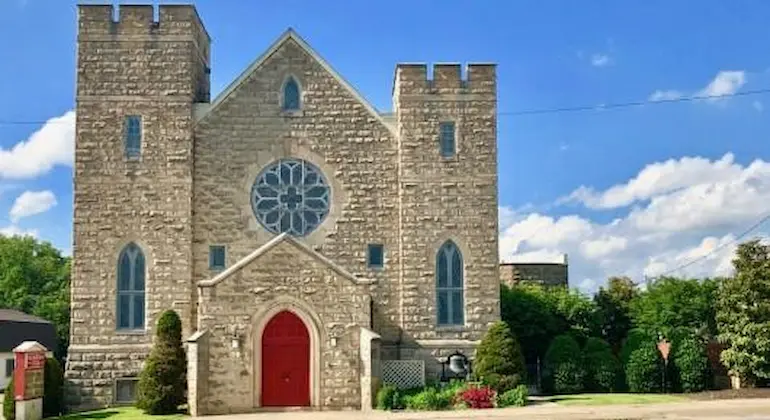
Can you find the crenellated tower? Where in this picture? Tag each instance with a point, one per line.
(448, 199)
(138, 79)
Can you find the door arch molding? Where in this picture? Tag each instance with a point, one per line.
(309, 317)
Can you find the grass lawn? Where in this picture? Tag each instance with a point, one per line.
(608, 399)
(119, 413)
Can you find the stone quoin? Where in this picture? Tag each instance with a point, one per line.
(285, 217)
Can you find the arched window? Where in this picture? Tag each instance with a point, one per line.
(449, 285)
(291, 95)
(130, 305)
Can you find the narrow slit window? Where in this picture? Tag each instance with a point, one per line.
(450, 293)
(376, 255)
(447, 138)
(133, 136)
(217, 257)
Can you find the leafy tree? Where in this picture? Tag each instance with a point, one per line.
(673, 307)
(499, 362)
(163, 381)
(35, 278)
(633, 341)
(614, 306)
(564, 366)
(743, 314)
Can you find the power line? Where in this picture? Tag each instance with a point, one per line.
(534, 111)
(702, 257)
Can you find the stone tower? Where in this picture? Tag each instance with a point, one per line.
(446, 195)
(145, 74)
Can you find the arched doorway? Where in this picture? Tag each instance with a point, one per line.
(285, 362)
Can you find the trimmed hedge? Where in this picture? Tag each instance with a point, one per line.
(163, 382)
(602, 367)
(564, 371)
(516, 397)
(690, 365)
(644, 371)
(499, 362)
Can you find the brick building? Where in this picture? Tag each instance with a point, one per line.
(304, 237)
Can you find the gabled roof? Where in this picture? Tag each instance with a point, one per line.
(264, 249)
(290, 34)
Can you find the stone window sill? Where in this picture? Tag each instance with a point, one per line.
(450, 328)
(292, 113)
(130, 332)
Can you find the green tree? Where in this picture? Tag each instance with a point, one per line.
(644, 371)
(743, 314)
(564, 370)
(673, 307)
(614, 306)
(603, 368)
(35, 278)
(163, 381)
(690, 365)
(499, 362)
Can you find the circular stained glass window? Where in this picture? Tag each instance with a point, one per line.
(290, 195)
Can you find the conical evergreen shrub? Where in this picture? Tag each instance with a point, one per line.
(162, 384)
(499, 362)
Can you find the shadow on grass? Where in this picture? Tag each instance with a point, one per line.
(92, 415)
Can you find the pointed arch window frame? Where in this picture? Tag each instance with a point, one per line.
(450, 285)
(291, 80)
(131, 284)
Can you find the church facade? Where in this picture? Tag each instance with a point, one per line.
(303, 237)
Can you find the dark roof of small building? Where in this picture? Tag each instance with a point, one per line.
(18, 316)
(17, 327)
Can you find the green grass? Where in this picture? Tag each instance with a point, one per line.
(609, 399)
(119, 413)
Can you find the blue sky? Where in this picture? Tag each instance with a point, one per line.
(629, 217)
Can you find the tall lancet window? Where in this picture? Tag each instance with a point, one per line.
(291, 95)
(130, 305)
(449, 285)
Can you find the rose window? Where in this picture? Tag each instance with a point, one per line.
(290, 195)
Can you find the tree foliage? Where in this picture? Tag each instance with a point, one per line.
(53, 381)
(614, 306)
(536, 314)
(690, 365)
(644, 371)
(9, 405)
(163, 381)
(673, 307)
(499, 362)
(35, 278)
(564, 371)
(743, 314)
(602, 367)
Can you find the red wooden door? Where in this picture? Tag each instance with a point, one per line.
(285, 362)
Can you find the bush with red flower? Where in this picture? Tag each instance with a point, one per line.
(478, 397)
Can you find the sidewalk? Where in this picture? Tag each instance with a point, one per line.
(754, 409)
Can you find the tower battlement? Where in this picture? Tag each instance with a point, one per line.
(141, 20)
(413, 78)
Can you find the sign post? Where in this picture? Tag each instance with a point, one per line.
(28, 387)
(664, 347)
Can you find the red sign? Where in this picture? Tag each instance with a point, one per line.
(35, 361)
(664, 347)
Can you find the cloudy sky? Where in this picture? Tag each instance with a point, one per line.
(638, 190)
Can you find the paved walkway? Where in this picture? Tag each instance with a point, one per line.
(754, 409)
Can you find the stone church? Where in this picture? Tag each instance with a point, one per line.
(306, 239)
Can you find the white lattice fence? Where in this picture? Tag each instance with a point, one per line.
(404, 374)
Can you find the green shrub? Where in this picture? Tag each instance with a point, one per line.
(644, 371)
(162, 383)
(429, 399)
(9, 405)
(569, 378)
(516, 397)
(690, 365)
(499, 362)
(387, 397)
(602, 367)
(564, 370)
(53, 399)
(634, 339)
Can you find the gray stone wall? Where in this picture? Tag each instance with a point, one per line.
(232, 307)
(334, 131)
(131, 67)
(447, 198)
(547, 274)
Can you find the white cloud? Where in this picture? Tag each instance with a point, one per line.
(724, 84)
(600, 60)
(30, 203)
(53, 144)
(683, 209)
(758, 106)
(14, 230)
(665, 95)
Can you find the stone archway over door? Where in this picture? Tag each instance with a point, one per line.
(285, 362)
